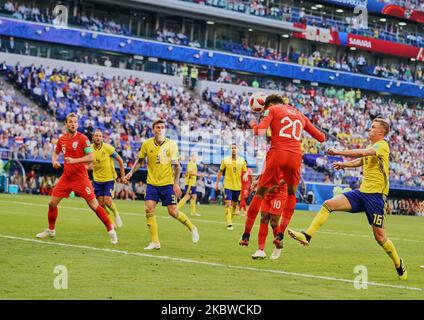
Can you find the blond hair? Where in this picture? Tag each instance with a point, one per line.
(385, 124)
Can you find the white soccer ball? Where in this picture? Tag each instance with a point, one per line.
(257, 102)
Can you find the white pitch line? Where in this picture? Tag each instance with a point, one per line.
(336, 233)
(212, 264)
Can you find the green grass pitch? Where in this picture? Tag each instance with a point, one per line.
(215, 268)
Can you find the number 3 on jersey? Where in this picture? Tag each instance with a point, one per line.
(291, 129)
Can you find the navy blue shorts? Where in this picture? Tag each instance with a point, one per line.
(374, 205)
(232, 195)
(190, 190)
(104, 189)
(163, 193)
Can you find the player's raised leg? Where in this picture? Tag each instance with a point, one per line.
(338, 203)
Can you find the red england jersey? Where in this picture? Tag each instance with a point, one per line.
(76, 147)
(287, 125)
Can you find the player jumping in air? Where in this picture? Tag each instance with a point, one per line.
(283, 158)
(104, 175)
(371, 196)
(77, 153)
(233, 167)
(163, 172)
(190, 186)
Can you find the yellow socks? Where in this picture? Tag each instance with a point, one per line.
(320, 218)
(113, 208)
(182, 202)
(153, 228)
(390, 249)
(185, 220)
(192, 206)
(228, 215)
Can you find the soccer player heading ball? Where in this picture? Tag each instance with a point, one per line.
(283, 158)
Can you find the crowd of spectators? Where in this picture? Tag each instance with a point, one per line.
(344, 63)
(347, 63)
(291, 12)
(33, 183)
(405, 206)
(45, 15)
(123, 108)
(408, 4)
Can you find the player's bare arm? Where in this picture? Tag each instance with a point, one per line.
(55, 163)
(135, 167)
(121, 168)
(218, 178)
(86, 159)
(355, 153)
(314, 131)
(348, 164)
(177, 171)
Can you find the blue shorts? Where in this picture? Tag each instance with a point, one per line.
(374, 205)
(232, 195)
(104, 189)
(191, 191)
(163, 193)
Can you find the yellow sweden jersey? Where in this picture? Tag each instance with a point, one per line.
(104, 169)
(376, 170)
(233, 170)
(159, 161)
(190, 180)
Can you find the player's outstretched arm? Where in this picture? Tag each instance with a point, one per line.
(354, 153)
(135, 167)
(313, 131)
(348, 164)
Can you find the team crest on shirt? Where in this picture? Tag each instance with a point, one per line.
(63, 148)
(75, 145)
